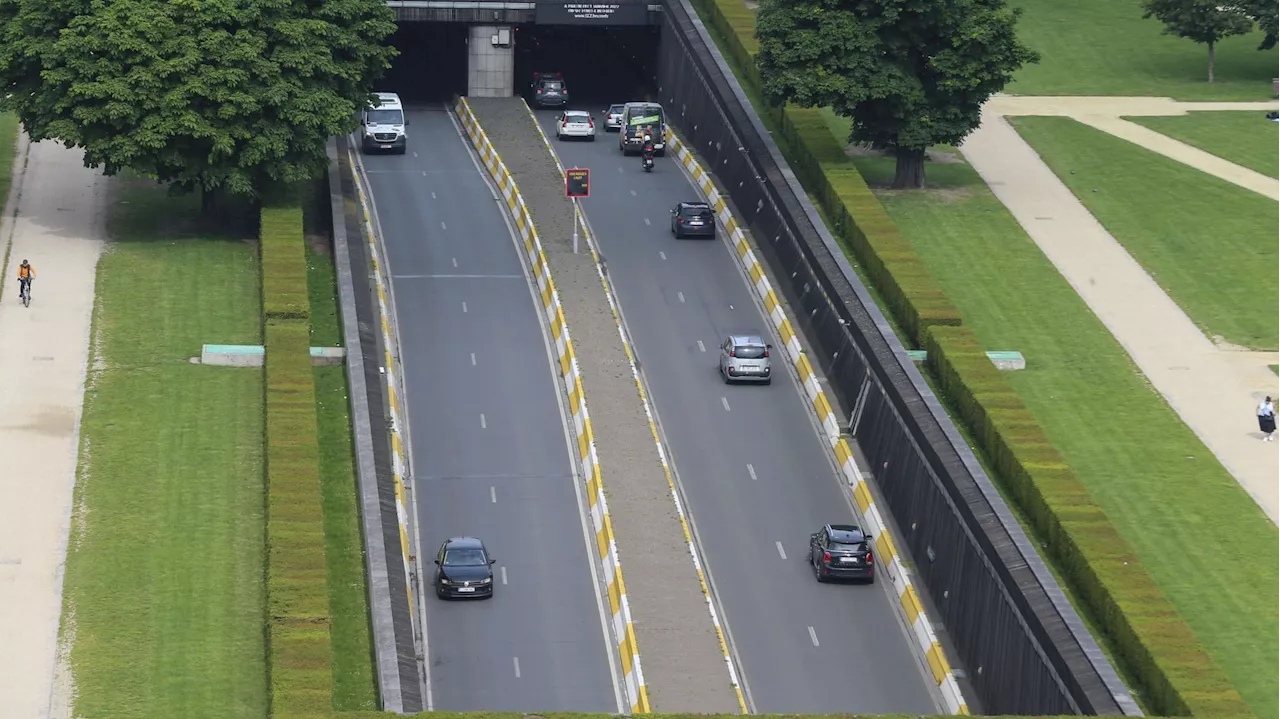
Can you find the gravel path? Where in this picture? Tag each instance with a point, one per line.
(680, 655)
(59, 228)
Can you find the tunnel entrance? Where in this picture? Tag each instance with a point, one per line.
(599, 64)
(432, 64)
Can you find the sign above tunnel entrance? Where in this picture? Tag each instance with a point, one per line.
(619, 12)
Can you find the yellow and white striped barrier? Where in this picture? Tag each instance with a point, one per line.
(623, 630)
(653, 429)
(890, 561)
(399, 464)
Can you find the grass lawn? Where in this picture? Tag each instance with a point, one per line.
(1105, 47)
(1147, 471)
(1246, 138)
(354, 687)
(1210, 244)
(164, 582)
(8, 144)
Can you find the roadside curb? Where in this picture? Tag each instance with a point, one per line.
(623, 629)
(399, 464)
(581, 219)
(922, 629)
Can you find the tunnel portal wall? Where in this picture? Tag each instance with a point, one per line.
(1023, 648)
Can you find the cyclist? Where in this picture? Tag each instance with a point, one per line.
(26, 273)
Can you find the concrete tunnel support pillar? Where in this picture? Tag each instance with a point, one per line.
(491, 61)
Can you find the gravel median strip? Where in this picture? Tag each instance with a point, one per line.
(683, 662)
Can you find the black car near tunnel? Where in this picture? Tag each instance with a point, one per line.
(464, 569)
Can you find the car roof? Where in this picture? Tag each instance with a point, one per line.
(388, 99)
(577, 112)
(747, 339)
(619, 105)
(847, 533)
(463, 543)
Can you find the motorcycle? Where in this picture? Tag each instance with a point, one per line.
(648, 162)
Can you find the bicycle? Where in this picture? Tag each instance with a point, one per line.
(24, 291)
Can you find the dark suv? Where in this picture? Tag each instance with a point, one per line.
(841, 551)
(693, 219)
(549, 90)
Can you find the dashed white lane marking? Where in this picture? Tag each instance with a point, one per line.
(504, 575)
(680, 295)
(751, 471)
(455, 261)
(516, 662)
(621, 170)
(493, 492)
(443, 226)
(433, 195)
(813, 636)
(473, 359)
(633, 192)
(415, 154)
(464, 307)
(483, 424)
(701, 346)
(647, 222)
(424, 174)
(782, 553)
(662, 254)
(725, 401)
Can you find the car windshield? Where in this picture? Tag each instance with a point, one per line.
(464, 558)
(748, 351)
(847, 546)
(385, 117)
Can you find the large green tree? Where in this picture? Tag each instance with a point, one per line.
(212, 95)
(1204, 21)
(908, 73)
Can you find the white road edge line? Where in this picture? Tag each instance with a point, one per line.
(570, 444)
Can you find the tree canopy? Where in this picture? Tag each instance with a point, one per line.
(1204, 21)
(215, 95)
(908, 73)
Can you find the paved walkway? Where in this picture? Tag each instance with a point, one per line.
(59, 228)
(1215, 391)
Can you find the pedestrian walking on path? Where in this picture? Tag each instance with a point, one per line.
(1267, 420)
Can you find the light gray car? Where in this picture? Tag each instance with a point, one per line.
(745, 358)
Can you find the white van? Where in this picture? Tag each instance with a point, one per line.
(382, 127)
(637, 117)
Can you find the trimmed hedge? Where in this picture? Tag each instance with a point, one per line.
(300, 656)
(284, 261)
(1174, 674)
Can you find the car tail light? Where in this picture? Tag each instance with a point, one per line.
(680, 221)
(539, 91)
(870, 558)
(766, 353)
(591, 123)
(733, 353)
(826, 557)
(564, 123)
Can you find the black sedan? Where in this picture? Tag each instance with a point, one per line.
(464, 569)
(841, 551)
(693, 219)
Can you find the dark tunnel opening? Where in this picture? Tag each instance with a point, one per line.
(599, 64)
(432, 64)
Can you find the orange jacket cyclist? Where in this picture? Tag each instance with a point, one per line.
(26, 273)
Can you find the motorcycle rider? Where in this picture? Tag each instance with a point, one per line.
(646, 151)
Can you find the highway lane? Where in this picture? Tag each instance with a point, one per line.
(488, 444)
(751, 464)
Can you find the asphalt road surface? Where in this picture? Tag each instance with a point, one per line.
(488, 445)
(751, 464)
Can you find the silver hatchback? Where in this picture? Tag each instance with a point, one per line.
(745, 358)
